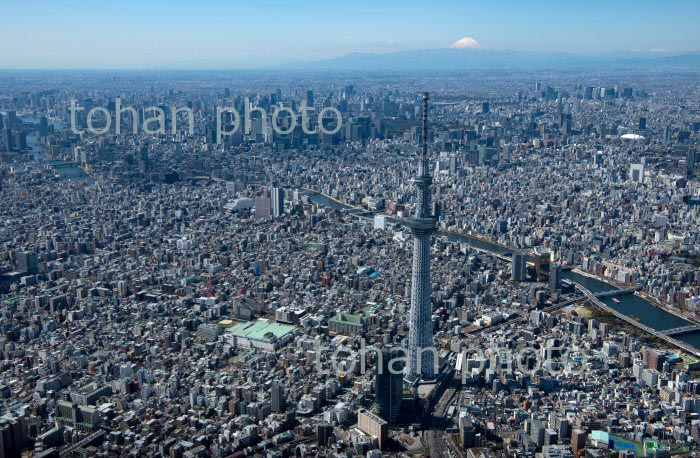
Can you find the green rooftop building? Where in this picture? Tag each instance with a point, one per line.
(346, 324)
(261, 334)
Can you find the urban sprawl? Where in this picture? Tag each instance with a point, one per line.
(182, 292)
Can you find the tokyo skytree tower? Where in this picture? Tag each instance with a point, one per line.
(422, 225)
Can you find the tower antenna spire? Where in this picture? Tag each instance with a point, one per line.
(424, 137)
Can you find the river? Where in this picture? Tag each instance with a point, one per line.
(66, 170)
(631, 305)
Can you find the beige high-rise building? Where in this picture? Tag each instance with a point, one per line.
(373, 425)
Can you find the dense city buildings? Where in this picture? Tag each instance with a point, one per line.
(186, 293)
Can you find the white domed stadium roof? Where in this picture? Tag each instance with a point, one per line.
(633, 137)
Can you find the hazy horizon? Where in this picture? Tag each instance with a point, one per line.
(237, 35)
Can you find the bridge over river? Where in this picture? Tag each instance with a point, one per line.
(659, 334)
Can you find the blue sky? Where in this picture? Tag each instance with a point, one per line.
(259, 33)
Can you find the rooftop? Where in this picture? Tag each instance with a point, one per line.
(259, 329)
(347, 318)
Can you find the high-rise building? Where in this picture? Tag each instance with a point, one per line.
(518, 267)
(8, 140)
(27, 262)
(642, 123)
(277, 399)
(692, 159)
(10, 438)
(668, 133)
(637, 173)
(537, 431)
(555, 277)
(578, 441)
(262, 207)
(143, 159)
(11, 119)
(467, 432)
(374, 426)
(277, 201)
(420, 338)
(20, 140)
(653, 358)
(562, 426)
(43, 127)
(389, 383)
(324, 433)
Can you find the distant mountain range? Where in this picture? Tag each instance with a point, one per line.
(472, 59)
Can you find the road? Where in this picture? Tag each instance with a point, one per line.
(438, 442)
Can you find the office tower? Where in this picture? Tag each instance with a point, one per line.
(537, 431)
(654, 359)
(10, 438)
(309, 98)
(27, 262)
(374, 426)
(11, 120)
(43, 127)
(578, 441)
(8, 140)
(262, 207)
(485, 107)
(642, 123)
(277, 399)
(562, 426)
(692, 158)
(77, 154)
(20, 140)
(277, 201)
(668, 133)
(598, 159)
(143, 159)
(518, 267)
(555, 277)
(637, 173)
(324, 432)
(257, 130)
(467, 432)
(389, 383)
(566, 124)
(422, 225)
